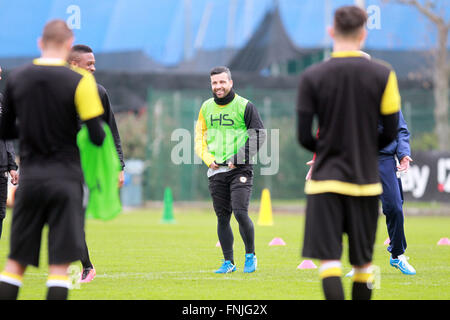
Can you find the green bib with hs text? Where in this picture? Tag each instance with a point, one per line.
(226, 130)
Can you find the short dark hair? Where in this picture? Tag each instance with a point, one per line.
(348, 20)
(76, 50)
(81, 48)
(219, 70)
(56, 31)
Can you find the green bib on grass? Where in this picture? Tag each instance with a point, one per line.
(101, 167)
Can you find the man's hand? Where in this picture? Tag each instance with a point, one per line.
(404, 164)
(14, 177)
(214, 166)
(310, 164)
(121, 178)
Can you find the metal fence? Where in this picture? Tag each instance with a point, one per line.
(171, 162)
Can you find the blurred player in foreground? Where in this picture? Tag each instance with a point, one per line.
(82, 56)
(47, 97)
(349, 94)
(7, 166)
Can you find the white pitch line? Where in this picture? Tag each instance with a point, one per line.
(173, 275)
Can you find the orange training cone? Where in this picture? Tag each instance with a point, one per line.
(265, 210)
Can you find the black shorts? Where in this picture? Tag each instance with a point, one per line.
(329, 215)
(231, 190)
(57, 203)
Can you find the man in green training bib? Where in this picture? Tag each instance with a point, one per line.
(228, 134)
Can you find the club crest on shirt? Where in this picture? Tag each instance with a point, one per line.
(243, 179)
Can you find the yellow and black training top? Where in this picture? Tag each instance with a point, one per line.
(349, 93)
(228, 130)
(46, 98)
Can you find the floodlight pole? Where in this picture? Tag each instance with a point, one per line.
(360, 3)
(231, 23)
(248, 13)
(203, 25)
(327, 22)
(187, 29)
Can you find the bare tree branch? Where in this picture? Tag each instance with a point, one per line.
(441, 68)
(427, 10)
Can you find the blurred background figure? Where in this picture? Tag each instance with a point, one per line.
(8, 166)
(82, 56)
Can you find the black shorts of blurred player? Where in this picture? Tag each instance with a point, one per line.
(329, 216)
(57, 204)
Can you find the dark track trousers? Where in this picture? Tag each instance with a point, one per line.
(3, 198)
(85, 260)
(392, 201)
(231, 192)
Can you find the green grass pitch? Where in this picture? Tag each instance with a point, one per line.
(139, 258)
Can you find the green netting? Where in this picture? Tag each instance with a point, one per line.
(172, 113)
